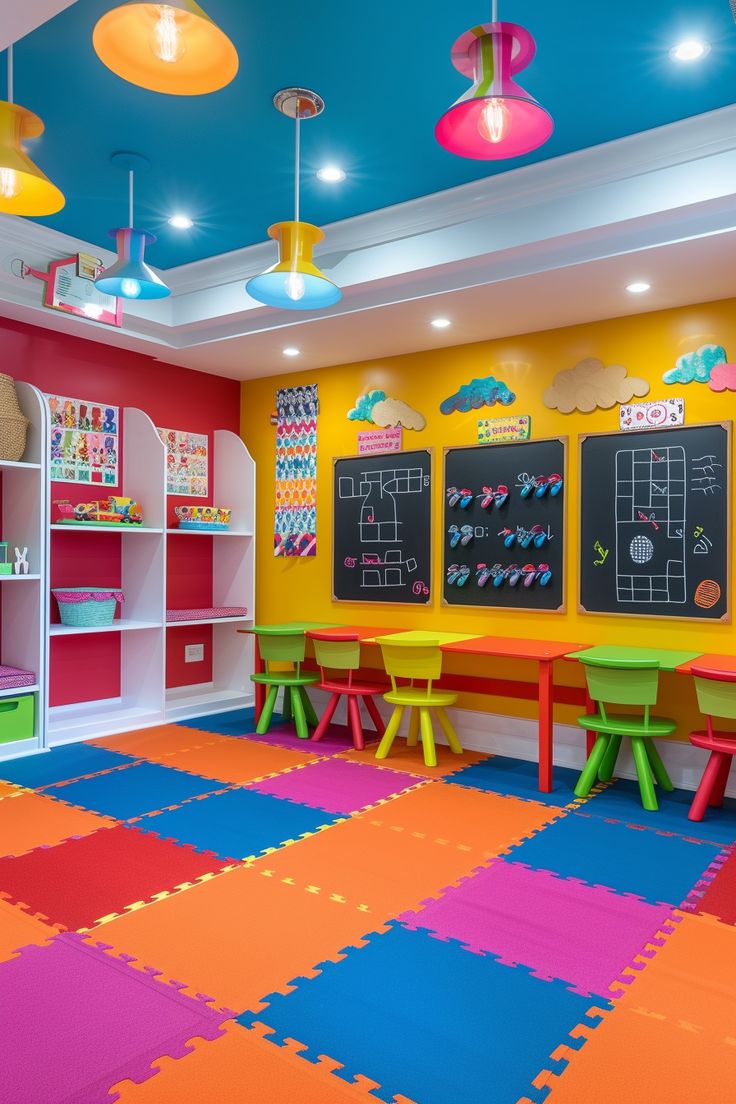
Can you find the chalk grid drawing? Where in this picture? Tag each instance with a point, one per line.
(380, 522)
(651, 500)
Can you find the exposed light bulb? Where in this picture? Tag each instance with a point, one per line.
(167, 41)
(294, 286)
(692, 49)
(10, 185)
(130, 289)
(494, 120)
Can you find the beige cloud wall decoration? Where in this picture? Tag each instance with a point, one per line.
(592, 384)
(395, 412)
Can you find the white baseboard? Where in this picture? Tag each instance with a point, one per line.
(516, 737)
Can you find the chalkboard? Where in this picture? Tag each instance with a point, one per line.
(511, 549)
(655, 522)
(382, 535)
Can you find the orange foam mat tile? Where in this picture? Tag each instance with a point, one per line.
(237, 936)
(229, 759)
(690, 981)
(488, 822)
(161, 740)
(31, 820)
(641, 1060)
(370, 866)
(8, 789)
(411, 759)
(241, 1066)
(19, 928)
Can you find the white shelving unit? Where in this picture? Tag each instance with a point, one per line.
(24, 598)
(143, 699)
(233, 584)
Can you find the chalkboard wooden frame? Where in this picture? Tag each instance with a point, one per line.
(400, 459)
(633, 437)
(509, 447)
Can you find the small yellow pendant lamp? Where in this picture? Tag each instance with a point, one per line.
(295, 282)
(174, 47)
(24, 189)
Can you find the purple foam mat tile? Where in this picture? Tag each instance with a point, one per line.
(337, 738)
(584, 935)
(75, 1021)
(337, 786)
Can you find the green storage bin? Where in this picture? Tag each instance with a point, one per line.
(16, 719)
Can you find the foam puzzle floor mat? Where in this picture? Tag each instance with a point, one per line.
(195, 912)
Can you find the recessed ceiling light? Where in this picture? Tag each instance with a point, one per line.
(181, 222)
(441, 323)
(690, 49)
(638, 287)
(291, 351)
(331, 174)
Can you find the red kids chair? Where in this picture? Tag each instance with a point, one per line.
(716, 692)
(341, 652)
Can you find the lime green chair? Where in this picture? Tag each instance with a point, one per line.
(284, 645)
(418, 663)
(628, 682)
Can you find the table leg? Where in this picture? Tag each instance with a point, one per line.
(590, 737)
(546, 698)
(258, 669)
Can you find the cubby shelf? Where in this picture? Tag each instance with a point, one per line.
(117, 530)
(19, 578)
(206, 533)
(119, 625)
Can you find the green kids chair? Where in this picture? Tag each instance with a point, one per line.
(419, 663)
(285, 645)
(628, 682)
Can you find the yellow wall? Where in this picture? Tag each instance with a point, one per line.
(646, 344)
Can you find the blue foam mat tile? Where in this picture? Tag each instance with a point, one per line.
(238, 823)
(657, 868)
(518, 778)
(622, 801)
(237, 722)
(61, 764)
(473, 1040)
(141, 788)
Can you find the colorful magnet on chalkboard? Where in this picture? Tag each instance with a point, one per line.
(513, 574)
(452, 573)
(486, 497)
(544, 574)
(466, 497)
(453, 496)
(555, 484)
(463, 576)
(529, 486)
(467, 534)
(541, 486)
(525, 538)
(529, 572)
(501, 494)
(455, 534)
(483, 574)
(539, 535)
(509, 537)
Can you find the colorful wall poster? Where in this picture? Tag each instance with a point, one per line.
(295, 525)
(502, 431)
(186, 462)
(84, 441)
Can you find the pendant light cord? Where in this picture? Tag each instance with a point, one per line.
(130, 197)
(297, 121)
(10, 73)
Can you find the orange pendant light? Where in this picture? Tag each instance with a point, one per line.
(173, 48)
(24, 189)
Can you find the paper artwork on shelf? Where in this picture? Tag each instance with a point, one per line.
(652, 415)
(295, 523)
(592, 384)
(376, 407)
(84, 441)
(700, 365)
(186, 462)
(478, 393)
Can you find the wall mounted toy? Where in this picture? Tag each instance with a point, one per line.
(590, 385)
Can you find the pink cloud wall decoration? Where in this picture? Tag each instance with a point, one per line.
(723, 378)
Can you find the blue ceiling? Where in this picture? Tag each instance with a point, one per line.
(602, 69)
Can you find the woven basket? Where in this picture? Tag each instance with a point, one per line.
(83, 607)
(13, 423)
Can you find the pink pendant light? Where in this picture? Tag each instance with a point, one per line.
(495, 118)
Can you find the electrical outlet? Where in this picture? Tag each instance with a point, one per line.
(193, 653)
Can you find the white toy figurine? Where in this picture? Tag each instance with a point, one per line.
(21, 561)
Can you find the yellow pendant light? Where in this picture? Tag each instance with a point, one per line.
(24, 189)
(173, 48)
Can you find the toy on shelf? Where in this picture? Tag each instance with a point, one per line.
(105, 511)
(21, 561)
(5, 567)
(208, 519)
(13, 422)
(84, 607)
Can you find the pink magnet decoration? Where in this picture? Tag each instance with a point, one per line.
(495, 118)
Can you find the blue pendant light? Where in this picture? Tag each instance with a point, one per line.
(130, 277)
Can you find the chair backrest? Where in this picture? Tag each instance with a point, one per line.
(282, 647)
(341, 653)
(716, 692)
(411, 660)
(630, 682)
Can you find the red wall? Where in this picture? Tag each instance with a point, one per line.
(87, 667)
